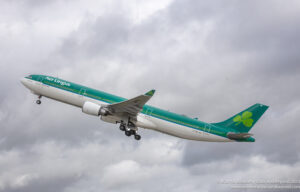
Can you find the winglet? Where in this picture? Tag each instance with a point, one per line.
(150, 93)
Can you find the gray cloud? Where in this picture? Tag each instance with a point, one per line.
(206, 59)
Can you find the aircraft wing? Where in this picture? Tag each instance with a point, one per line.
(132, 106)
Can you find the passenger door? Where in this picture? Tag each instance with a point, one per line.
(39, 82)
(148, 113)
(82, 92)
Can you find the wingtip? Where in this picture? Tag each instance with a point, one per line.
(262, 105)
(150, 93)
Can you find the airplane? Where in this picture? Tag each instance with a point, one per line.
(133, 113)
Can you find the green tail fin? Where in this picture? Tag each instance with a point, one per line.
(245, 120)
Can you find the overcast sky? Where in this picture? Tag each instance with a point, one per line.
(206, 59)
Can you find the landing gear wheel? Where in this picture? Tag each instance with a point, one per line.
(38, 102)
(133, 132)
(137, 137)
(128, 133)
(122, 127)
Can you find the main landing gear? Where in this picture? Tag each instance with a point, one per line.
(130, 129)
(39, 100)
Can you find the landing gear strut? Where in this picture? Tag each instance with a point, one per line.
(129, 129)
(39, 101)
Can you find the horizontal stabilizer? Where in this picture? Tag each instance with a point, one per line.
(238, 136)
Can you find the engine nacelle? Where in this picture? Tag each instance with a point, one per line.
(94, 109)
(103, 112)
(91, 108)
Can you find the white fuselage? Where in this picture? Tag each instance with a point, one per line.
(143, 120)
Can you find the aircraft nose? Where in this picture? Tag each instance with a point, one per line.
(22, 80)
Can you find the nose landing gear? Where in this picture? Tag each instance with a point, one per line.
(39, 100)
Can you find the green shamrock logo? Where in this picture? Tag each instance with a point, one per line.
(245, 119)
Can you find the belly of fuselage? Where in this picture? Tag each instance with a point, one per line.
(180, 131)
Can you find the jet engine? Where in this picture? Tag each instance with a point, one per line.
(94, 109)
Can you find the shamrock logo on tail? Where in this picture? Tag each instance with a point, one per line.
(245, 118)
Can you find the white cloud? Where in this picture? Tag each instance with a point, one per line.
(22, 180)
(126, 172)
